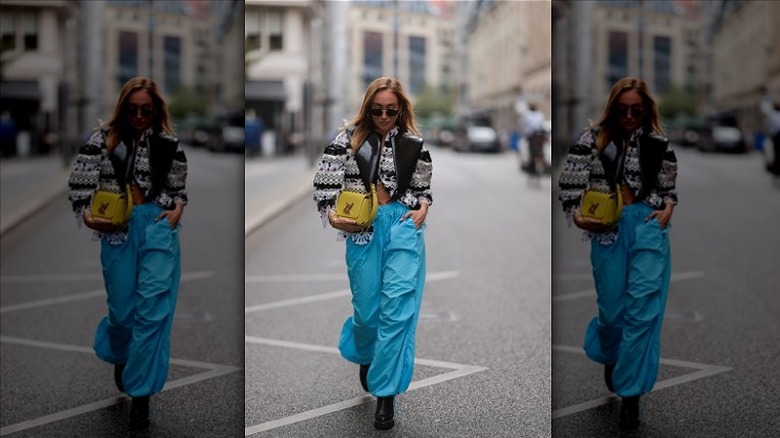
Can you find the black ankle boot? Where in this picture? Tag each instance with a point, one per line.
(384, 418)
(118, 368)
(608, 368)
(629, 413)
(139, 413)
(364, 376)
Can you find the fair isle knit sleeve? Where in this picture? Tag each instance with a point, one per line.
(85, 174)
(421, 178)
(176, 186)
(666, 185)
(329, 177)
(575, 174)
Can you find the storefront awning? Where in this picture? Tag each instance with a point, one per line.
(20, 90)
(265, 91)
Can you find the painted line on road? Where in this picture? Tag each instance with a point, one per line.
(213, 370)
(458, 370)
(198, 275)
(690, 275)
(702, 370)
(436, 276)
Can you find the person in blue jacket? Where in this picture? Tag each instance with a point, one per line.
(632, 260)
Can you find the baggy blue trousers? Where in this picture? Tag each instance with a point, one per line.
(142, 281)
(386, 277)
(632, 282)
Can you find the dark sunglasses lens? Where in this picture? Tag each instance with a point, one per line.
(377, 112)
(132, 110)
(635, 112)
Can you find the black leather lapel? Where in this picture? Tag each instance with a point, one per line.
(406, 152)
(120, 158)
(161, 152)
(367, 159)
(651, 155)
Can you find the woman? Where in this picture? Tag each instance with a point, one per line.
(631, 261)
(141, 260)
(386, 260)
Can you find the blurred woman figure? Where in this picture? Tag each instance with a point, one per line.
(386, 260)
(141, 260)
(631, 260)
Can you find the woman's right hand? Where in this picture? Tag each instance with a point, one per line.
(589, 223)
(343, 224)
(100, 224)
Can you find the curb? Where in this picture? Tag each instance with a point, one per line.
(22, 211)
(289, 195)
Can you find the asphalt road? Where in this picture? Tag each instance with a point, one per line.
(52, 299)
(719, 342)
(483, 340)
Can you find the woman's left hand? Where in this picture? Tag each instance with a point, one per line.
(418, 216)
(663, 216)
(173, 216)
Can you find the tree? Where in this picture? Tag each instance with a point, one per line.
(678, 102)
(433, 100)
(188, 101)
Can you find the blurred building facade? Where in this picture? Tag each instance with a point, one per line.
(64, 61)
(509, 59)
(38, 38)
(598, 42)
(744, 59)
(414, 41)
(282, 41)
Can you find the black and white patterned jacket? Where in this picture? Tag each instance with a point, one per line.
(651, 178)
(337, 170)
(92, 170)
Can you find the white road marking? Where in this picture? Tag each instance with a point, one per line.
(702, 371)
(690, 275)
(213, 370)
(436, 276)
(458, 370)
(199, 275)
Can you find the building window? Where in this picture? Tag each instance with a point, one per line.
(416, 64)
(264, 28)
(662, 56)
(172, 50)
(30, 30)
(128, 56)
(372, 57)
(7, 30)
(275, 30)
(252, 31)
(618, 57)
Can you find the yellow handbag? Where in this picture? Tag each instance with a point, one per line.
(116, 207)
(605, 207)
(361, 207)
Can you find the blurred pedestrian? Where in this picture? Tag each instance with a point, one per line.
(535, 133)
(141, 259)
(385, 260)
(631, 260)
(773, 130)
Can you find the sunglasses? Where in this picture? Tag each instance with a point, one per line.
(132, 110)
(623, 111)
(377, 112)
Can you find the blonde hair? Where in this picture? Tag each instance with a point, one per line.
(118, 125)
(607, 121)
(362, 121)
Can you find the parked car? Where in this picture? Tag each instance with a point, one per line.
(524, 151)
(227, 134)
(721, 133)
(475, 133)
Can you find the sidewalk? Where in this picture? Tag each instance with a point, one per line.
(28, 184)
(271, 185)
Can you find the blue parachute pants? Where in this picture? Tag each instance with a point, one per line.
(142, 281)
(386, 277)
(632, 282)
